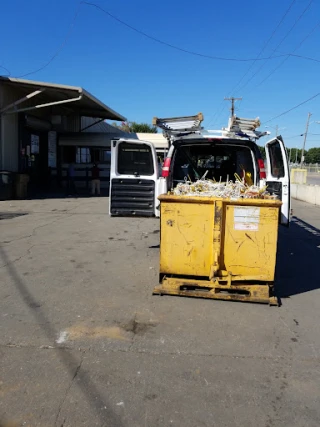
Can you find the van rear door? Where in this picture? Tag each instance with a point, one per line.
(134, 178)
(278, 176)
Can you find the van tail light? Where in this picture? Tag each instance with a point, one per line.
(166, 167)
(262, 169)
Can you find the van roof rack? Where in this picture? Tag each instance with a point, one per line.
(179, 124)
(180, 127)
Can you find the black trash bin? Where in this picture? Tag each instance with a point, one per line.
(6, 185)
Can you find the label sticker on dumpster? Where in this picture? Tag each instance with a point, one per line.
(246, 218)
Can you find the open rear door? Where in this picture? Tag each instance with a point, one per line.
(278, 176)
(134, 178)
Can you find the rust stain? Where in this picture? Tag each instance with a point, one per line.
(77, 332)
(8, 424)
(240, 246)
(189, 253)
(4, 389)
(246, 234)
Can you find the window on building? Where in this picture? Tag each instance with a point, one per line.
(106, 156)
(83, 155)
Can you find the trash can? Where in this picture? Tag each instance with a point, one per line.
(21, 185)
(6, 185)
(218, 248)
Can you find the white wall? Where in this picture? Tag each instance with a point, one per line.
(306, 193)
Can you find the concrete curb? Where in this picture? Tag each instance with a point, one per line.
(306, 193)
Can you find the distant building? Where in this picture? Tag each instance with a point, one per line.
(43, 126)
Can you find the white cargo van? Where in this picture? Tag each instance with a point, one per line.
(135, 183)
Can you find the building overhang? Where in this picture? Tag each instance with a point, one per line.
(35, 95)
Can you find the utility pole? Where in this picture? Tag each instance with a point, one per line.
(232, 99)
(277, 130)
(305, 138)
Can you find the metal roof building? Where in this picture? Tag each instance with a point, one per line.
(34, 114)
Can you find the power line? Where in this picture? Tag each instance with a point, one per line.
(260, 53)
(295, 23)
(190, 52)
(266, 44)
(293, 108)
(53, 57)
(295, 136)
(286, 59)
(6, 69)
(279, 44)
(304, 57)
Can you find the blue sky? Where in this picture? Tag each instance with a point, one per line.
(141, 78)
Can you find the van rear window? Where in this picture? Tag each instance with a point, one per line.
(134, 159)
(218, 162)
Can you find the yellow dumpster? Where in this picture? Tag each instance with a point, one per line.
(218, 248)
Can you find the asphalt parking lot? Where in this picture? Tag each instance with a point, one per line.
(83, 342)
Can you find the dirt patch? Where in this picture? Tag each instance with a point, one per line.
(136, 327)
(81, 331)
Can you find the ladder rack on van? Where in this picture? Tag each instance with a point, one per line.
(178, 127)
(175, 126)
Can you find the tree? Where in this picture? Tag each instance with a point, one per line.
(142, 128)
(313, 155)
(124, 126)
(134, 127)
(295, 155)
(263, 151)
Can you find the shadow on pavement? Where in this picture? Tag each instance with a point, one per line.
(298, 259)
(88, 388)
(41, 195)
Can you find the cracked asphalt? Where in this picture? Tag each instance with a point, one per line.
(83, 342)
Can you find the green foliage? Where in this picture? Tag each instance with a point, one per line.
(294, 155)
(142, 128)
(313, 155)
(134, 127)
(262, 151)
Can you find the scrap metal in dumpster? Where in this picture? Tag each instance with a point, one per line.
(221, 248)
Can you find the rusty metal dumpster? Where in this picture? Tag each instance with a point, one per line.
(218, 248)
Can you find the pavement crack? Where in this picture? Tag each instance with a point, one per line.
(67, 392)
(36, 228)
(19, 258)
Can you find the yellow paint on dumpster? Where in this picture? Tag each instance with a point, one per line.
(221, 241)
(250, 242)
(186, 238)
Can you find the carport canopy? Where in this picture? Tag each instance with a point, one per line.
(35, 95)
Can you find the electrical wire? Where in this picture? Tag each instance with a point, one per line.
(6, 69)
(268, 41)
(286, 59)
(216, 115)
(304, 57)
(279, 44)
(295, 136)
(190, 52)
(293, 108)
(53, 57)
